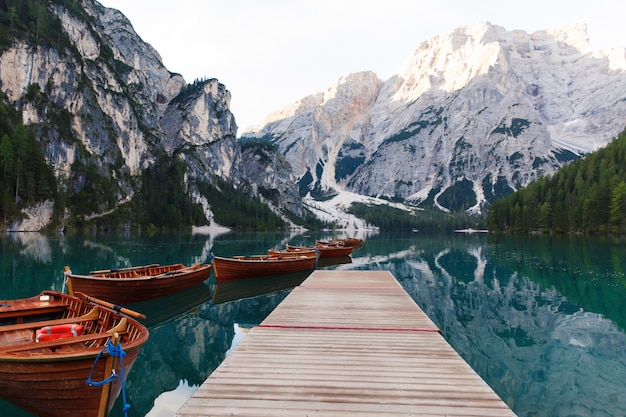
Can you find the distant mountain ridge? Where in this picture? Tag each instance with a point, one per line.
(475, 114)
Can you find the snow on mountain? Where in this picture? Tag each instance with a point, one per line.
(474, 115)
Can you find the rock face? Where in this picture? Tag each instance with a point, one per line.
(111, 87)
(105, 106)
(476, 114)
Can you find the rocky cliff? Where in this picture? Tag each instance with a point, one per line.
(103, 107)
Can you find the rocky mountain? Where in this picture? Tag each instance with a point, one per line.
(104, 107)
(476, 114)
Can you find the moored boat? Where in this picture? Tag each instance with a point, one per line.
(79, 373)
(129, 285)
(346, 241)
(325, 250)
(350, 241)
(262, 265)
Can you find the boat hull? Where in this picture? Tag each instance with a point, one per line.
(124, 289)
(244, 267)
(58, 388)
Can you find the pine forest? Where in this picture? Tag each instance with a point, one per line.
(587, 196)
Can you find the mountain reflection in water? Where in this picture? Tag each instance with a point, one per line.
(541, 319)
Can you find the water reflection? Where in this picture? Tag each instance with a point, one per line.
(160, 310)
(166, 404)
(225, 291)
(188, 348)
(523, 335)
(34, 246)
(540, 319)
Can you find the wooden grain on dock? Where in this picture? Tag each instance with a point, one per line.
(345, 343)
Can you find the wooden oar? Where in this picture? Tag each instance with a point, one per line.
(110, 305)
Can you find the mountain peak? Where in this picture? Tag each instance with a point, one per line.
(449, 62)
(574, 35)
(356, 87)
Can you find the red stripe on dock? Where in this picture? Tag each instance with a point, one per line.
(383, 329)
(351, 287)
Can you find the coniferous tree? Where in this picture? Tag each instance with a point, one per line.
(617, 220)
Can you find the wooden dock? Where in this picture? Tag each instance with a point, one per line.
(345, 343)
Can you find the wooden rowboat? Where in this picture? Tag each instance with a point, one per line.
(347, 241)
(129, 285)
(325, 250)
(262, 265)
(350, 241)
(49, 378)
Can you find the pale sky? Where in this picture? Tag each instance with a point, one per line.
(270, 53)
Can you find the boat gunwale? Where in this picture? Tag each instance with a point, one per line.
(325, 251)
(267, 259)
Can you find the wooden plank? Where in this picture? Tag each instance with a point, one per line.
(285, 408)
(351, 279)
(349, 308)
(345, 344)
(350, 299)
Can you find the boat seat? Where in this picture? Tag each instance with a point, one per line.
(20, 313)
(57, 343)
(93, 314)
(120, 327)
(53, 344)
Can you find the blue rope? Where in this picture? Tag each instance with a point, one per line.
(117, 352)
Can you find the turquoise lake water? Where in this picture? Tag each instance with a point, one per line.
(541, 319)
